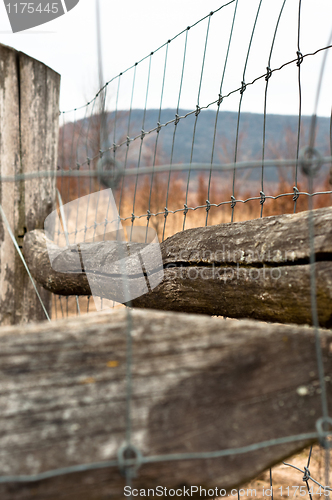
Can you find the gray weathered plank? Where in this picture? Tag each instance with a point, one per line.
(9, 165)
(29, 115)
(199, 384)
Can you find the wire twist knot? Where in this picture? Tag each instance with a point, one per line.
(185, 209)
(263, 197)
(243, 87)
(306, 476)
(268, 73)
(198, 110)
(296, 193)
(299, 58)
(233, 201)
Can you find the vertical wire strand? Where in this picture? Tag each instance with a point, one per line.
(103, 142)
(128, 138)
(307, 482)
(142, 140)
(87, 142)
(61, 307)
(239, 108)
(267, 78)
(71, 157)
(115, 128)
(174, 132)
(299, 62)
(196, 119)
(157, 138)
(115, 149)
(218, 109)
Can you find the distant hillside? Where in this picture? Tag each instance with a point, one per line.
(281, 136)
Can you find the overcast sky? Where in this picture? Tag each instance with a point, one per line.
(131, 29)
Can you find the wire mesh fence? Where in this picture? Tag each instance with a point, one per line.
(172, 168)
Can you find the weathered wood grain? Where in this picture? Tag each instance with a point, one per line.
(255, 269)
(199, 384)
(29, 116)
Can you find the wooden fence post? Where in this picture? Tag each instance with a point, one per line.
(29, 123)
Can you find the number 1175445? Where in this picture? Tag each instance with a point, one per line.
(292, 491)
(32, 7)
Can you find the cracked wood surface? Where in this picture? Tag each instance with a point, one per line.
(29, 123)
(256, 269)
(199, 384)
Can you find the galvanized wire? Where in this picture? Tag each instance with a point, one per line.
(207, 106)
(267, 78)
(122, 169)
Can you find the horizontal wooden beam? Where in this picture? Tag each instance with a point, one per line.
(199, 384)
(255, 269)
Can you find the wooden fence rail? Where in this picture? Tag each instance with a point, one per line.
(255, 269)
(198, 384)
